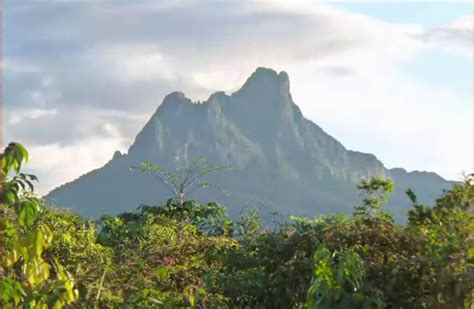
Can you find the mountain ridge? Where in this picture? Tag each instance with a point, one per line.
(278, 156)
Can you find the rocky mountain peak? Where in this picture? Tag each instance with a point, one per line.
(173, 101)
(278, 156)
(266, 82)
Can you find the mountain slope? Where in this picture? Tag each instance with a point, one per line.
(278, 157)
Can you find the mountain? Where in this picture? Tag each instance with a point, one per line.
(279, 159)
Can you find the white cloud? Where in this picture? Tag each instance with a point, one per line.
(456, 36)
(11, 65)
(28, 114)
(104, 68)
(139, 63)
(225, 47)
(55, 164)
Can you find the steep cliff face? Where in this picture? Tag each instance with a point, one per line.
(278, 157)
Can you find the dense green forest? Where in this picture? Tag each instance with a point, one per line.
(186, 254)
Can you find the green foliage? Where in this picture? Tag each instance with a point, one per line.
(211, 219)
(249, 226)
(338, 282)
(163, 256)
(375, 193)
(30, 278)
(448, 228)
(185, 179)
(187, 254)
(75, 246)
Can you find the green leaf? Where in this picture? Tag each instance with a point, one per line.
(27, 212)
(411, 195)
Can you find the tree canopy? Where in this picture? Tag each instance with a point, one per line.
(187, 254)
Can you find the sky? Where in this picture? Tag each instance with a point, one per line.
(81, 78)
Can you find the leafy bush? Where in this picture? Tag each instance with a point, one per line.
(30, 278)
(339, 282)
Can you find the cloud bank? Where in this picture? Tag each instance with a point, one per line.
(81, 78)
